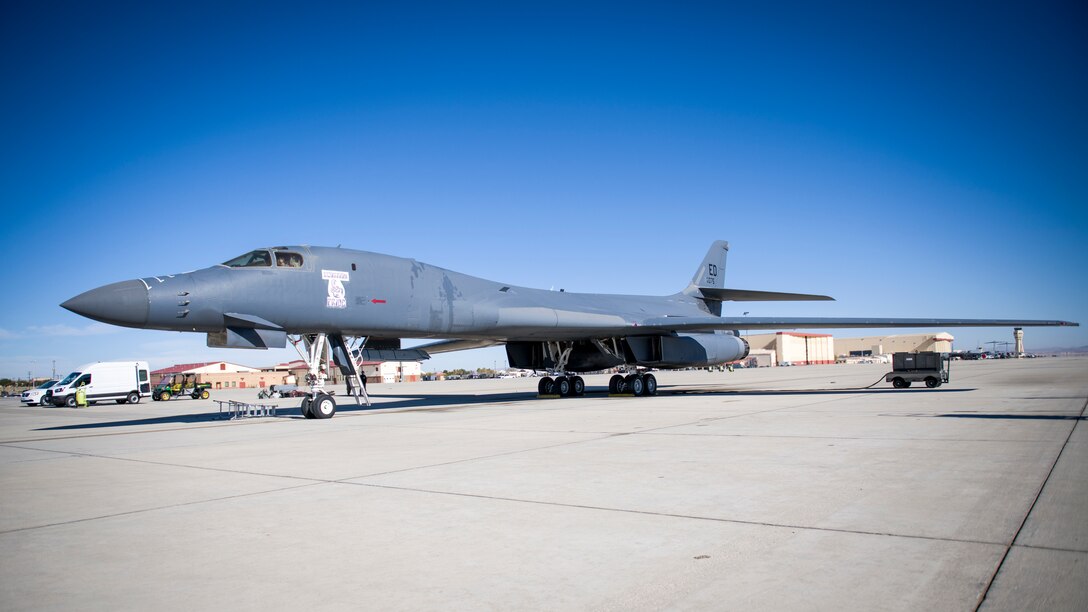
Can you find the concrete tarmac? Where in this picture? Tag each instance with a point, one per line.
(769, 489)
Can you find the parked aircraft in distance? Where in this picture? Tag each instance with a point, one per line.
(360, 305)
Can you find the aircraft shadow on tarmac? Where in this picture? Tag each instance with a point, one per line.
(449, 401)
(848, 391)
(295, 411)
(1016, 417)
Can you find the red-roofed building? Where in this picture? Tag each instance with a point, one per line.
(222, 374)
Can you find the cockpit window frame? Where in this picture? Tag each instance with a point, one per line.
(286, 256)
(230, 263)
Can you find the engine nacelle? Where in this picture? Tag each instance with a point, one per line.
(584, 357)
(687, 350)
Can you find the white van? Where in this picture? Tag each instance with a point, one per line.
(121, 381)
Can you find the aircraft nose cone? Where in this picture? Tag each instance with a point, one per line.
(125, 303)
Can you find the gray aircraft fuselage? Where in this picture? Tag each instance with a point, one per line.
(383, 296)
(257, 299)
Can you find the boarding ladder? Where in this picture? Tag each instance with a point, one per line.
(350, 365)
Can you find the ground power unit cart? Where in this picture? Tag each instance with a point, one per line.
(926, 366)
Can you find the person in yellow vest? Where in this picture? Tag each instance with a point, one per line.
(81, 396)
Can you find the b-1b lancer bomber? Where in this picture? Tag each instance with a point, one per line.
(359, 305)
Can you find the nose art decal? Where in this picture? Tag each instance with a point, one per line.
(337, 295)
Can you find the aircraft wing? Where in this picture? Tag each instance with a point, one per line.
(457, 344)
(697, 324)
(664, 325)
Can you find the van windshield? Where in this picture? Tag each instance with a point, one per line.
(47, 384)
(69, 378)
(252, 259)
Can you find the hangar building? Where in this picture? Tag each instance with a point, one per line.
(794, 348)
(808, 349)
(882, 345)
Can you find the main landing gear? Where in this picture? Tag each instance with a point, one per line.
(562, 385)
(633, 384)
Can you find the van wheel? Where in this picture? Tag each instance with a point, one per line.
(70, 401)
(133, 398)
(120, 401)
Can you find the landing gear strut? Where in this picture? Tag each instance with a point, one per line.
(563, 385)
(318, 404)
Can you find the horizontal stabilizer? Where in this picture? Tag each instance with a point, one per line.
(743, 295)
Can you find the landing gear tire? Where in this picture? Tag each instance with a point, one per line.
(932, 382)
(651, 384)
(615, 384)
(323, 407)
(899, 383)
(577, 386)
(635, 385)
(562, 386)
(306, 412)
(546, 386)
(133, 398)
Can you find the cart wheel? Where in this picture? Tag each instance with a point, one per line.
(899, 383)
(932, 382)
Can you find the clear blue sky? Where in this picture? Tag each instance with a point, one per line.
(910, 161)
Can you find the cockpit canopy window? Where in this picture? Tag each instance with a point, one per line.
(286, 259)
(253, 259)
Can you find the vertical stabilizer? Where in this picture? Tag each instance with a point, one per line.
(711, 273)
